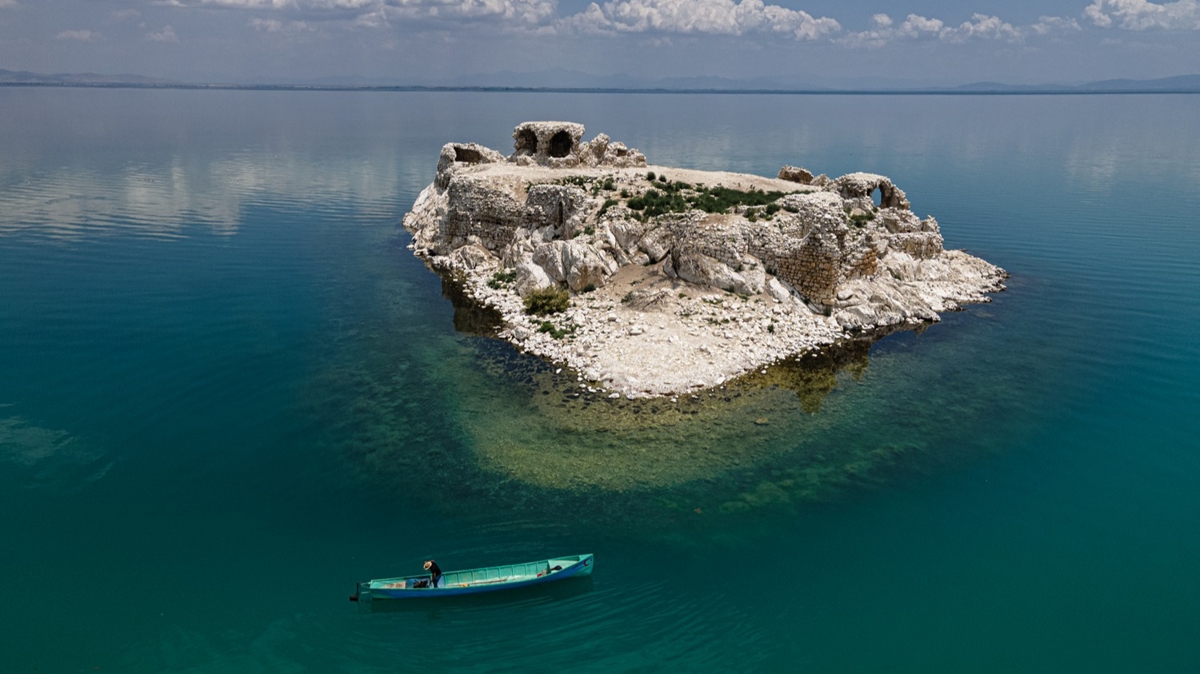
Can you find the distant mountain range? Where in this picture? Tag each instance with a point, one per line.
(567, 80)
(76, 79)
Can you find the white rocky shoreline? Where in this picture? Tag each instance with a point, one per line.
(679, 280)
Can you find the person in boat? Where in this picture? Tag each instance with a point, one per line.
(435, 573)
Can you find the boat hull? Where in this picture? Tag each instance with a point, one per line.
(476, 581)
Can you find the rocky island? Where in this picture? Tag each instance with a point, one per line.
(657, 281)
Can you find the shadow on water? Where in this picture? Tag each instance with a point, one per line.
(437, 607)
(470, 424)
(471, 318)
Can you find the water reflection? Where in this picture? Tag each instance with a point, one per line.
(470, 317)
(182, 194)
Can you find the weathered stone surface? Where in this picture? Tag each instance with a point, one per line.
(795, 174)
(474, 257)
(454, 154)
(778, 291)
(531, 277)
(692, 265)
(575, 263)
(862, 185)
(651, 312)
(557, 145)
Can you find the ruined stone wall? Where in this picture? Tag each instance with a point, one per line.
(723, 243)
(552, 206)
(477, 209)
(859, 259)
(813, 271)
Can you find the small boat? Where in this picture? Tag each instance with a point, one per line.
(472, 581)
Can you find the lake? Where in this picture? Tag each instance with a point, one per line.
(228, 392)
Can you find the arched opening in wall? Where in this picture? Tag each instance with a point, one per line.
(877, 196)
(560, 144)
(467, 156)
(526, 143)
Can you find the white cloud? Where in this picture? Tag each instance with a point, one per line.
(277, 26)
(380, 13)
(1143, 15)
(981, 26)
(715, 17)
(527, 12)
(80, 35)
(7, 3)
(1053, 24)
(167, 34)
(303, 5)
(250, 4)
(884, 30)
(125, 15)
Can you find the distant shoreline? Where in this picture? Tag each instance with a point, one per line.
(601, 90)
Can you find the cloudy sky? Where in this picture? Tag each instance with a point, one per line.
(427, 41)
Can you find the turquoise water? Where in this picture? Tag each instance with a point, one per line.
(227, 392)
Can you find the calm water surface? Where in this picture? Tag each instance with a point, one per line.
(227, 392)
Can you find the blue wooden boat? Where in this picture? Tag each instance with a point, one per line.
(473, 581)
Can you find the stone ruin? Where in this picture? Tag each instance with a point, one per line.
(548, 144)
(544, 141)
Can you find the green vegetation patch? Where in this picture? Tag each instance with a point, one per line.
(502, 278)
(555, 331)
(860, 219)
(553, 300)
(578, 181)
(680, 197)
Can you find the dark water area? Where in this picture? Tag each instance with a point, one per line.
(228, 392)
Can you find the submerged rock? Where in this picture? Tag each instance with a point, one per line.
(681, 279)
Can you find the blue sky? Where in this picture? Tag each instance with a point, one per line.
(426, 41)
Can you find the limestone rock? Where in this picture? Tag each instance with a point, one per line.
(474, 257)
(575, 263)
(557, 145)
(456, 154)
(795, 174)
(777, 290)
(646, 261)
(862, 185)
(531, 277)
(692, 265)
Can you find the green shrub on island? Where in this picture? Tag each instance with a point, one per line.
(651, 176)
(501, 279)
(721, 199)
(680, 197)
(556, 333)
(578, 181)
(860, 219)
(552, 300)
